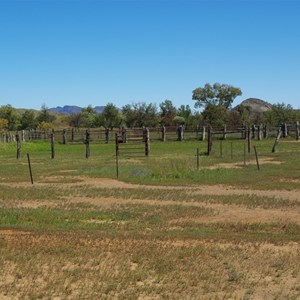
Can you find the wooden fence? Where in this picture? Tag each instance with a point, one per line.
(173, 133)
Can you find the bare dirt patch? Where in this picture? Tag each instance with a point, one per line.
(263, 160)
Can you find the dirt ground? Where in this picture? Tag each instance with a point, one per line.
(259, 282)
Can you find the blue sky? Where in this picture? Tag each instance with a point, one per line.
(95, 52)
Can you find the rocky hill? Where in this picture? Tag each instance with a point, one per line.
(255, 105)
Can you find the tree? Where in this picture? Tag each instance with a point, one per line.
(3, 124)
(215, 115)
(44, 115)
(88, 117)
(217, 94)
(167, 112)
(10, 114)
(110, 117)
(281, 113)
(28, 120)
(185, 112)
(140, 115)
(76, 120)
(44, 126)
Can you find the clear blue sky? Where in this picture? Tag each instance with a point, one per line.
(95, 52)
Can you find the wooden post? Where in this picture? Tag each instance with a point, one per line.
(253, 131)
(72, 135)
(117, 155)
(180, 133)
(87, 143)
(23, 136)
(146, 141)
(244, 131)
(203, 133)
(29, 165)
(106, 135)
(256, 156)
(297, 131)
(18, 145)
(259, 132)
(64, 137)
(285, 130)
(124, 135)
(164, 135)
(265, 131)
(209, 140)
(249, 139)
(52, 144)
(276, 140)
(224, 134)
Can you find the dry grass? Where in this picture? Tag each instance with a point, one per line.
(89, 242)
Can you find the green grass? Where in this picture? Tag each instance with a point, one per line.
(169, 163)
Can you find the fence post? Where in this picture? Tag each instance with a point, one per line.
(285, 130)
(117, 154)
(225, 130)
(265, 131)
(256, 156)
(87, 144)
(72, 135)
(244, 131)
(64, 136)
(203, 133)
(23, 136)
(248, 134)
(180, 133)
(259, 132)
(147, 141)
(277, 140)
(297, 130)
(164, 135)
(209, 140)
(18, 145)
(253, 131)
(106, 135)
(30, 171)
(52, 144)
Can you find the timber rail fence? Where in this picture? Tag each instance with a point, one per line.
(170, 133)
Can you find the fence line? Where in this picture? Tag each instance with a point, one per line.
(170, 133)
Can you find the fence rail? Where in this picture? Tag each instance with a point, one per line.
(171, 133)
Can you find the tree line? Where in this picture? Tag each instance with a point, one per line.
(215, 102)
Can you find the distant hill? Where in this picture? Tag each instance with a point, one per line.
(73, 109)
(255, 105)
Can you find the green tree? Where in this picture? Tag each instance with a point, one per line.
(88, 117)
(281, 113)
(111, 117)
(216, 94)
(28, 120)
(215, 115)
(167, 112)
(185, 112)
(44, 115)
(140, 115)
(10, 114)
